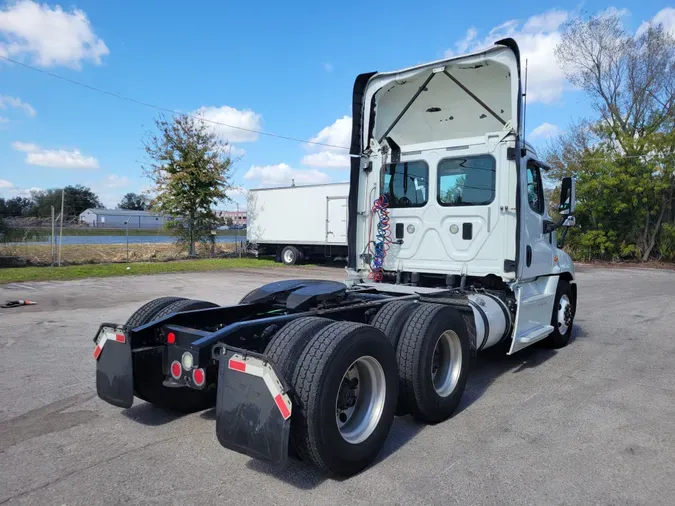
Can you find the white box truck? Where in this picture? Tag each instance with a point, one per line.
(296, 223)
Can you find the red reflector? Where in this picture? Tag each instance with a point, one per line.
(237, 365)
(282, 406)
(120, 338)
(171, 338)
(176, 369)
(97, 352)
(198, 377)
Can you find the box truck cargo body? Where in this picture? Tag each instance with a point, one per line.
(298, 222)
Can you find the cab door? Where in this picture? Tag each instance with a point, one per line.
(536, 250)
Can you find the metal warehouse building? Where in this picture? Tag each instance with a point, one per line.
(118, 218)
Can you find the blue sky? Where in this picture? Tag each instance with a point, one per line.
(281, 67)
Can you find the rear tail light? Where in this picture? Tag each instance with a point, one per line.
(198, 377)
(171, 338)
(176, 369)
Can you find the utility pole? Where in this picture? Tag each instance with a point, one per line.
(53, 238)
(63, 198)
(126, 225)
(238, 225)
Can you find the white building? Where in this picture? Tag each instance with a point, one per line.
(118, 218)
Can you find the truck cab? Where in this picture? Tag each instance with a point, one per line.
(441, 145)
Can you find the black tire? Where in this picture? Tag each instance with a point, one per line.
(290, 255)
(183, 305)
(557, 339)
(149, 374)
(391, 317)
(317, 381)
(287, 345)
(146, 313)
(415, 355)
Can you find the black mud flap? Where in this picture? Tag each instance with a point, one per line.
(253, 411)
(114, 370)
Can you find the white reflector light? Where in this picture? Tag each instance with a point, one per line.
(187, 360)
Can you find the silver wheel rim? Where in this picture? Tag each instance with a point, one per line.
(564, 314)
(288, 256)
(360, 399)
(446, 363)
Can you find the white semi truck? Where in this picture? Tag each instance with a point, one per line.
(451, 251)
(297, 223)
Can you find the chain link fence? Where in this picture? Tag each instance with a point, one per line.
(33, 243)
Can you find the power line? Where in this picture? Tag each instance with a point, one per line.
(165, 109)
(260, 132)
(605, 158)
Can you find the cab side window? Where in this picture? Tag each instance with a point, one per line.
(535, 190)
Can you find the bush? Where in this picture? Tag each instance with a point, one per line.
(666, 244)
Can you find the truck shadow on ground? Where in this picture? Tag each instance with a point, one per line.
(487, 367)
(150, 415)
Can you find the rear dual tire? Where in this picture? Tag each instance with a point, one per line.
(344, 388)
(290, 255)
(433, 357)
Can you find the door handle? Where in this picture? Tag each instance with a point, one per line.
(528, 256)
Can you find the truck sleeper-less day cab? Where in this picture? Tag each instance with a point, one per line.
(451, 251)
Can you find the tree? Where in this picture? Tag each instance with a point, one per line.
(77, 199)
(134, 202)
(191, 173)
(17, 206)
(623, 158)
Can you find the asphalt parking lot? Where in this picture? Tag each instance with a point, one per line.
(593, 423)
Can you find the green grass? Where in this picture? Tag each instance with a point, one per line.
(14, 275)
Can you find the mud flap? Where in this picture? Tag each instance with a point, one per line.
(114, 370)
(253, 411)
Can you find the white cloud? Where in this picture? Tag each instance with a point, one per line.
(114, 181)
(9, 190)
(331, 157)
(238, 191)
(57, 158)
(546, 131)
(327, 159)
(7, 102)
(235, 151)
(665, 17)
(3, 120)
(249, 121)
(49, 36)
(337, 134)
(537, 38)
(328, 67)
(283, 174)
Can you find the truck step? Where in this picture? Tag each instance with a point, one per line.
(536, 334)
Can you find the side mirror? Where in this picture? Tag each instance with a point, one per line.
(567, 195)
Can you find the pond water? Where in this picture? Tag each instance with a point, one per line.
(133, 239)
